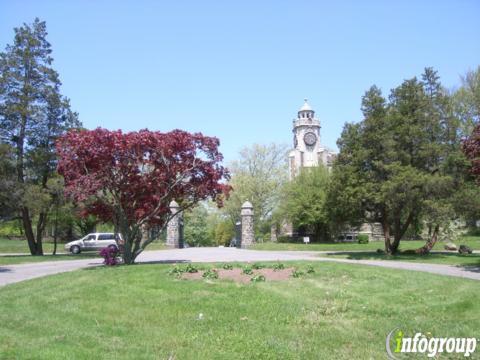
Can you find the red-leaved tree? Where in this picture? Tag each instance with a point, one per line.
(130, 179)
(471, 148)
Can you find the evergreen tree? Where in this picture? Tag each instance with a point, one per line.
(33, 114)
(402, 163)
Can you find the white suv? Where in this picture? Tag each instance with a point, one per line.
(93, 241)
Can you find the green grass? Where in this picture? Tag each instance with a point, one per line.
(434, 258)
(472, 241)
(21, 246)
(23, 259)
(140, 312)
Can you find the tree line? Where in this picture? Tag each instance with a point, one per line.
(411, 164)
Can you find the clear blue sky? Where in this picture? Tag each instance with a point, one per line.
(239, 70)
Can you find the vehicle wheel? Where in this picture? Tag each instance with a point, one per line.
(75, 249)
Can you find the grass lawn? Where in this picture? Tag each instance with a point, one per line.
(434, 258)
(472, 241)
(139, 312)
(22, 259)
(21, 246)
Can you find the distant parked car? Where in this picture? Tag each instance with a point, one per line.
(94, 242)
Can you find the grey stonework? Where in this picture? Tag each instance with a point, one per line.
(174, 231)
(248, 232)
(373, 230)
(273, 233)
(308, 150)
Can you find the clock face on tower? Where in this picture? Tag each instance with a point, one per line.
(310, 138)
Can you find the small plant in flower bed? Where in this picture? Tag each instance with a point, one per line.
(310, 269)
(247, 270)
(278, 266)
(175, 270)
(109, 255)
(297, 273)
(257, 266)
(190, 269)
(227, 267)
(210, 274)
(257, 278)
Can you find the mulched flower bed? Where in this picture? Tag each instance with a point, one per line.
(237, 275)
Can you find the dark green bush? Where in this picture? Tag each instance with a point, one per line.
(289, 239)
(297, 273)
(278, 266)
(257, 278)
(362, 238)
(175, 270)
(248, 270)
(210, 274)
(191, 268)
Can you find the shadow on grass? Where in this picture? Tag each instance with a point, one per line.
(44, 256)
(141, 263)
(470, 262)
(471, 268)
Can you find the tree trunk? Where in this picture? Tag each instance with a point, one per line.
(425, 249)
(55, 228)
(27, 228)
(42, 221)
(400, 231)
(386, 234)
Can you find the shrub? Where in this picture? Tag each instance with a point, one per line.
(109, 255)
(247, 270)
(175, 270)
(278, 266)
(257, 278)
(210, 274)
(227, 266)
(362, 238)
(297, 273)
(289, 239)
(257, 266)
(191, 268)
(310, 269)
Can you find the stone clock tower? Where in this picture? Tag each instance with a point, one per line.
(308, 151)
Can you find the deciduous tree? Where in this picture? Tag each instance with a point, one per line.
(130, 179)
(257, 176)
(303, 202)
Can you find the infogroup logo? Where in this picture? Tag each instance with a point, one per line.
(398, 343)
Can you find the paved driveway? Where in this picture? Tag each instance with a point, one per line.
(15, 273)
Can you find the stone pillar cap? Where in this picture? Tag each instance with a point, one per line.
(247, 205)
(174, 204)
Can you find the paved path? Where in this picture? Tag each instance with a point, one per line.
(15, 273)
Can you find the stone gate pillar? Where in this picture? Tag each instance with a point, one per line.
(248, 233)
(273, 233)
(173, 227)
